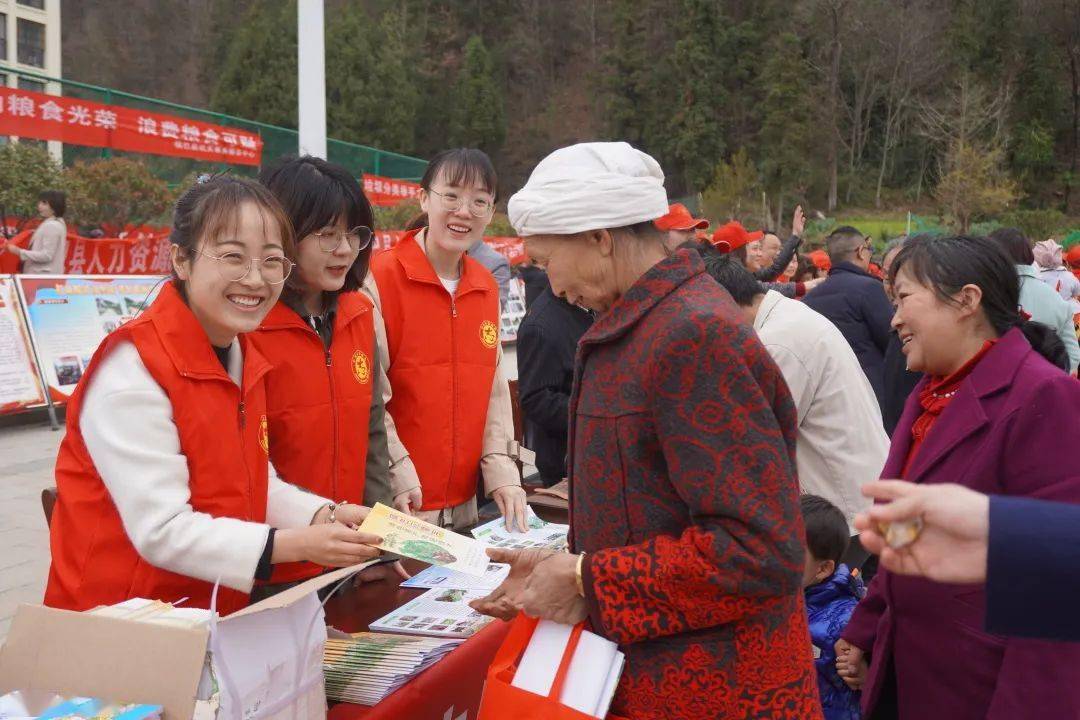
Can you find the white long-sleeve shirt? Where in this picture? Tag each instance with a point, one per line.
(45, 256)
(127, 426)
(841, 442)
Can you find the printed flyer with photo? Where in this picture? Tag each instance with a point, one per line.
(439, 612)
(440, 577)
(405, 535)
(541, 534)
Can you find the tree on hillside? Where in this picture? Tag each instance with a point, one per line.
(371, 91)
(258, 79)
(735, 189)
(477, 118)
(973, 183)
(639, 78)
(698, 98)
(789, 131)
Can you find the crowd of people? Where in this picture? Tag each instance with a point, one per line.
(720, 403)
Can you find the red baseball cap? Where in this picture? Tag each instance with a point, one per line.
(732, 236)
(821, 260)
(679, 218)
(1073, 256)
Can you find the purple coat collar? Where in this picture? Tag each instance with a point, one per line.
(994, 373)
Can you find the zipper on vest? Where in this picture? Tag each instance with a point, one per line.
(243, 420)
(453, 400)
(334, 470)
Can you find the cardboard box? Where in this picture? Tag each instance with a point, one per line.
(266, 658)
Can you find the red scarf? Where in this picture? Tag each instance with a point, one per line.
(935, 397)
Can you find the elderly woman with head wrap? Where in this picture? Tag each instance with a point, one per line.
(1052, 271)
(687, 543)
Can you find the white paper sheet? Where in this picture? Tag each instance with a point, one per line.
(588, 673)
(540, 661)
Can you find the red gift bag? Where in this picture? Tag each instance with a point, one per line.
(501, 700)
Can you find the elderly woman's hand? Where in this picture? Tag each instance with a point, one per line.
(504, 602)
(551, 591)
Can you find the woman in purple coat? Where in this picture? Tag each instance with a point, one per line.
(988, 415)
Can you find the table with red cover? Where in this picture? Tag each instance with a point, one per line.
(448, 690)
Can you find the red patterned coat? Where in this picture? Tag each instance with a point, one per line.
(684, 497)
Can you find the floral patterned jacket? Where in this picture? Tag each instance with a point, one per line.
(684, 497)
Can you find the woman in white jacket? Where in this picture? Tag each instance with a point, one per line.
(164, 484)
(48, 244)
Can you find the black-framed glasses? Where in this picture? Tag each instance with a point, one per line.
(234, 266)
(452, 202)
(358, 238)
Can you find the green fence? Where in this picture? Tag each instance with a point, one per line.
(277, 141)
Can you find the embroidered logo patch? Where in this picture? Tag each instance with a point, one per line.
(264, 434)
(489, 334)
(361, 367)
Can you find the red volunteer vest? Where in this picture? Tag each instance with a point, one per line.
(222, 434)
(442, 364)
(318, 403)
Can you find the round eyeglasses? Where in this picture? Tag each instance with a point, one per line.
(452, 202)
(234, 266)
(358, 239)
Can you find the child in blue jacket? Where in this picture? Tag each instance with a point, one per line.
(832, 592)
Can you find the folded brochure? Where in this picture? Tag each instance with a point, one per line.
(541, 534)
(408, 536)
(439, 613)
(438, 577)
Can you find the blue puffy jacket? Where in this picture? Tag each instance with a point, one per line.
(829, 605)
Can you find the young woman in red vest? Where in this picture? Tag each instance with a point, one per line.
(163, 480)
(327, 433)
(448, 412)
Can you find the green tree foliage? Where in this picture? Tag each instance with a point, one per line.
(698, 98)
(808, 88)
(477, 118)
(639, 79)
(258, 79)
(112, 192)
(25, 170)
(734, 191)
(788, 130)
(974, 183)
(372, 98)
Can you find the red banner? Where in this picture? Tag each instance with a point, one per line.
(82, 122)
(144, 250)
(140, 251)
(387, 192)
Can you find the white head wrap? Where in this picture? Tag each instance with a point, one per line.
(589, 186)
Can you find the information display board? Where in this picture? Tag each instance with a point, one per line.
(20, 387)
(69, 315)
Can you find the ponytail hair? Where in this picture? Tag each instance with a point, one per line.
(947, 264)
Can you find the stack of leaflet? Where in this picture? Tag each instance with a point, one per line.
(366, 667)
(155, 611)
(541, 534)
